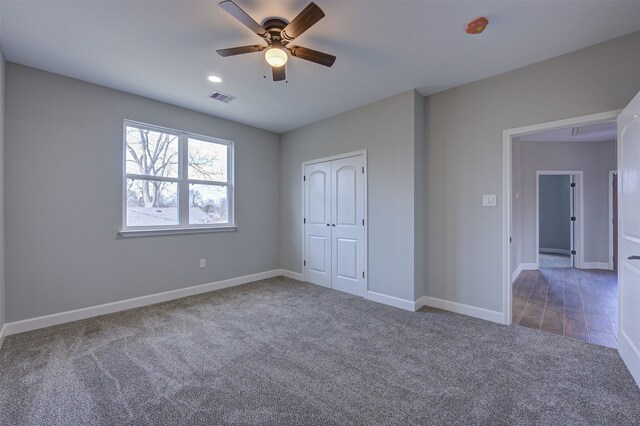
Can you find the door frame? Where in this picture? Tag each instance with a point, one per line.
(577, 232)
(612, 230)
(507, 183)
(366, 211)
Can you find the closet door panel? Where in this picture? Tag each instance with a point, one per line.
(347, 258)
(347, 236)
(346, 196)
(317, 238)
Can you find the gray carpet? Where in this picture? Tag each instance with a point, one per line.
(282, 352)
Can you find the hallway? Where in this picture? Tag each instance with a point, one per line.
(581, 304)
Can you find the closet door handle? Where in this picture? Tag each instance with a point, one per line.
(333, 224)
(328, 224)
(633, 257)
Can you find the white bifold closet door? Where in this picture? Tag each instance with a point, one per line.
(334, 224)
(317, 229)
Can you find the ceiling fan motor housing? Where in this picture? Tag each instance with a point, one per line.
(274, 27)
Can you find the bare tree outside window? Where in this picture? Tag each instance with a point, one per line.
(153, 178)
(207, 162)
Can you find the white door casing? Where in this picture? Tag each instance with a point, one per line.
(508, 137)
(629, 237)
(347, 238)
(317, 218)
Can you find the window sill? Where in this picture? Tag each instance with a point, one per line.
(130, 233)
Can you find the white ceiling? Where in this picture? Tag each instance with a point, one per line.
(598, 132)
(165, 49)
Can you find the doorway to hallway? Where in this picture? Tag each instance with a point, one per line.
(563, 280)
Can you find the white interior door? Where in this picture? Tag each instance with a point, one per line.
(629, 237)
(347, 225)
(572, 220)
(317, 226)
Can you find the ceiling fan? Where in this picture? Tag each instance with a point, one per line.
(278, 34)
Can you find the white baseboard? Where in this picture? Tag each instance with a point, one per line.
(595, 265)
(460, 308)
(123, 305)
(407, 305)
(554, 251)
(630, 355)
(523, 267)
(516, 273)
(3, 332)
(396, 302)
(290, 274)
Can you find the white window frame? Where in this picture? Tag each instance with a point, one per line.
(182, 181)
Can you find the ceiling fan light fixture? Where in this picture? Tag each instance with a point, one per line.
(276, 57)
(277, 33)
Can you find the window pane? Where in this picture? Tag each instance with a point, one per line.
(208, 204)
(151, 203)
(151, 153)
(207, 160)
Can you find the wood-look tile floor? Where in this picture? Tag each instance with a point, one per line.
(581, 304)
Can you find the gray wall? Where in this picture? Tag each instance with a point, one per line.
(2, 246)
(464, 261)
(595, 159)
(386, 130)
(62, 134)
(63, 200)
(555, 212)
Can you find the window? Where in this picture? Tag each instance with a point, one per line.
(175, 181)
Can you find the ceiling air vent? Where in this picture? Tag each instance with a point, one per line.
(222, 97)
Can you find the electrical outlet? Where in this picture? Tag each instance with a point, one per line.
(489, 200)
(203, 263)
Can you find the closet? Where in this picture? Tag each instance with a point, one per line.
(335, 223)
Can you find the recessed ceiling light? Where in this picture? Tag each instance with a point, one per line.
(215, 79)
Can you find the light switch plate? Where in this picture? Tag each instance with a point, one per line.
(489, 200)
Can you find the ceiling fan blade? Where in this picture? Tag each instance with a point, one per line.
(242, 16)
(240, 50)
(312, 55)
(279, 73)
(301, 23)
